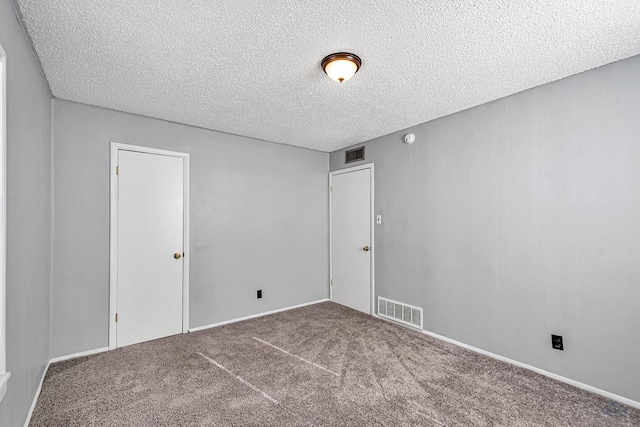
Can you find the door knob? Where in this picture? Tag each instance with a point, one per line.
(366, 249)
(177, 255)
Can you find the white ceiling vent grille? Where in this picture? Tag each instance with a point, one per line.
(400, 312)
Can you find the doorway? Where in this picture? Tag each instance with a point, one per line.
(149, 239)
(351, 234)
(4, 375)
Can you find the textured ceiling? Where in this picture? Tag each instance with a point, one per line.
(252, 68)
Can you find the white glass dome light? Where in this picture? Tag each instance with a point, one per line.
(341, 66)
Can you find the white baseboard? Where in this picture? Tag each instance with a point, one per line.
(44, 374)
(82, 353)
(253, 316)
(35, 398)
(199, 328)
(557, 377)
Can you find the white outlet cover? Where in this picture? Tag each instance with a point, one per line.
(379, 219)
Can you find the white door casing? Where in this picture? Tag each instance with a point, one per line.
(4, 375)
(352, 250)
(149, 238)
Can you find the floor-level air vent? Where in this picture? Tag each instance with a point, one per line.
(400, 312)
(354, 155)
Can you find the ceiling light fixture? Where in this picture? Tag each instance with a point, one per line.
(341, 66)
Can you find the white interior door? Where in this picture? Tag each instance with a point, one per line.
(150, 246)
(351, 243)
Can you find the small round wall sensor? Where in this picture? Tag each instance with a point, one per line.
(409, 138)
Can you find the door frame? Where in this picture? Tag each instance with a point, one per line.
(4, 375)
(372, 244)
(113, 234)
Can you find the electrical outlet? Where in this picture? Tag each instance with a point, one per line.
(556, 342)
(379, 219)
(259, 293)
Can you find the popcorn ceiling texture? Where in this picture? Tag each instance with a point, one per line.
(253, 68)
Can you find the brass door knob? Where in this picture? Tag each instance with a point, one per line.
(177, 255)
(366, 249)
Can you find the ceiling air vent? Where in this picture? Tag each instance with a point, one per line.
(354, 155)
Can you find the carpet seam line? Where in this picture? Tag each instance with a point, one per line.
(239, 378)
(297, 357)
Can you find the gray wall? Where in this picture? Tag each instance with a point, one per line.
(521, 218)
(28, 220)
(259, 215)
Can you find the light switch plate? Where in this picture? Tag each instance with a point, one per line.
(379, 219)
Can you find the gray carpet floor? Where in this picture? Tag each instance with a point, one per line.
(321, 365)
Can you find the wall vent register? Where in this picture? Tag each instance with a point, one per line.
(354, 155)
(400, 312)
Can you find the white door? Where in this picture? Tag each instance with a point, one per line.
(150, 246)
(351, 218)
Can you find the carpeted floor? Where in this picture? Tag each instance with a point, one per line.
(321, 365)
